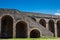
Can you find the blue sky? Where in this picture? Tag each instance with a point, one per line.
(39, 6)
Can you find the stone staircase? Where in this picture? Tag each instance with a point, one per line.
(45, 32)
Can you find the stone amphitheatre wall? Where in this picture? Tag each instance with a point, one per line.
(15, 24)
(50, 22)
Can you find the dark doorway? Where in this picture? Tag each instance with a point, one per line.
(34, 34)
(21, 30)
(6, 27)
(51, 26)
(58, 28)
(42, 22)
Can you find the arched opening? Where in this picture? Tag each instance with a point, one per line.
(42, 22)
(34, 34)
(21, 30)
(6, 27)
(51, 26)
(58, 28)
(33, 18)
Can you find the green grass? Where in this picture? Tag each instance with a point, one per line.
(32, 39)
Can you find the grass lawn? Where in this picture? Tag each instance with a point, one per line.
(32, 39)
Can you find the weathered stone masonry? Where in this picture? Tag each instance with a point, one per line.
(16, 24)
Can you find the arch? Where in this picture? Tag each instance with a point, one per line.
(58, 28)
(21, 29)
(34, 34)
(42, 22)
(51, 26)
(33, 18)
(6, 26)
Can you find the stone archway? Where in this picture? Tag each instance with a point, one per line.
(21, 29)
(51, 26)
(58, 28)
(6, 27)
(42, 22)
(34, 34)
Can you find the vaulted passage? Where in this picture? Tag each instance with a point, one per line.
(6, 27)
(42, 22)
(58, 28)
(21, 30)
(34, 34)
(51, 26)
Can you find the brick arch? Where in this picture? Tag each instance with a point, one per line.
(42, 22)
(21, 29)
(58, 28)
(51, 26)
(35, 33)
(6, 26)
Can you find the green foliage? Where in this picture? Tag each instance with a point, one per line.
(32, 39)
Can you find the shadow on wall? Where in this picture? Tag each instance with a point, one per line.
(35, 34)
(6, 27)
(21, 29)
(43, 22)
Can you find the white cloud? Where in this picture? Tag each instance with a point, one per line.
(57, 14)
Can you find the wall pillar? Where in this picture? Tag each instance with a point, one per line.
(0, 27)
(47, 26)
(28, 32)
(14, 30)
(55, 27)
